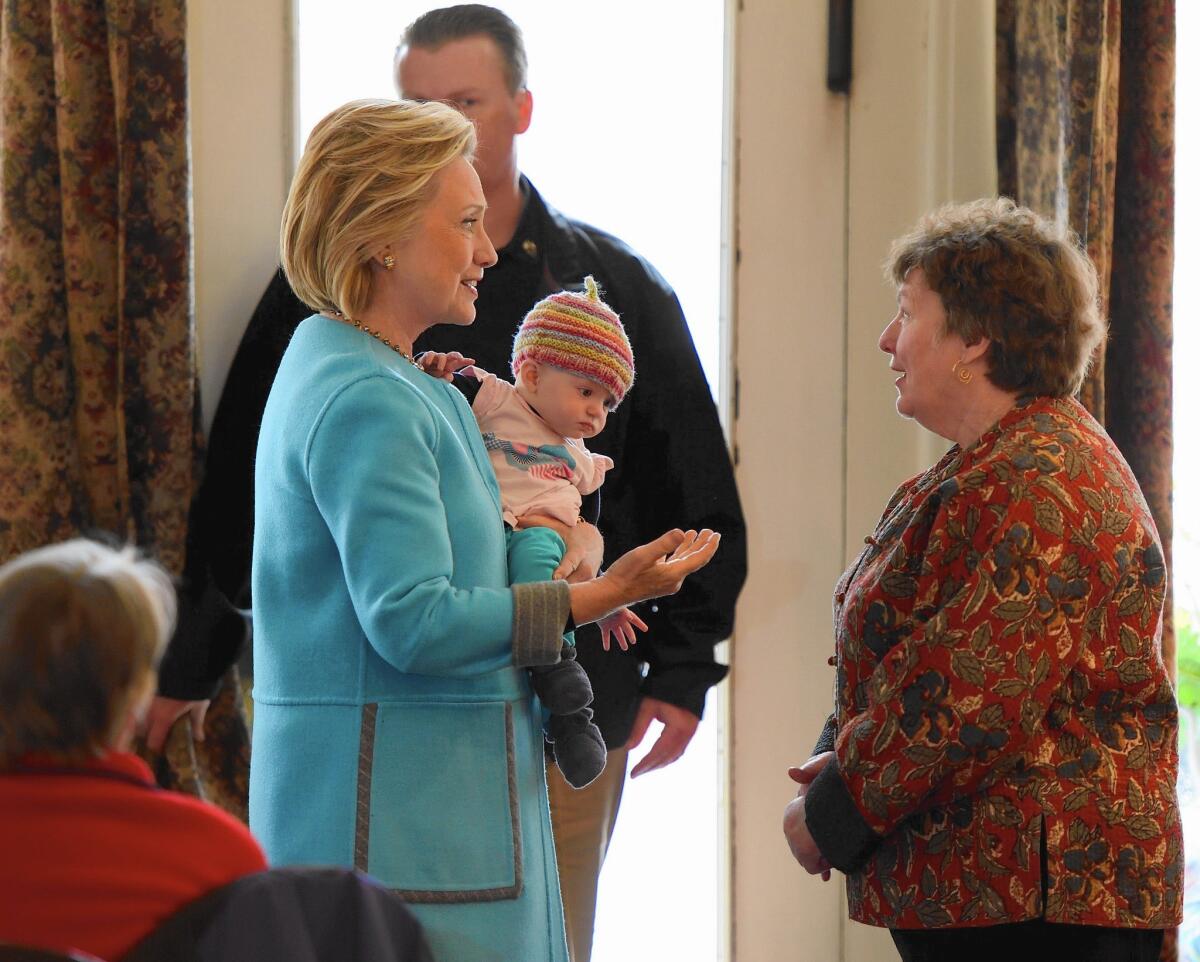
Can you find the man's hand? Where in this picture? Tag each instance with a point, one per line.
(163, 714)
(679, 725)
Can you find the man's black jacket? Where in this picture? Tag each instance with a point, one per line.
(672, 468)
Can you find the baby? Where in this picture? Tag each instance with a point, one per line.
(573, 365)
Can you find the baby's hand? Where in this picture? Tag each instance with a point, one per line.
(620, 625)
(437, 364)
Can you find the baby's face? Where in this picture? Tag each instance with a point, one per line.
(573, 406)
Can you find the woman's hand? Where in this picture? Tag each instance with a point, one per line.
(804, 775)
(660, 567)
(165, 712)
(650, 571)
(443, 366)
(804, 849)
(585, 547)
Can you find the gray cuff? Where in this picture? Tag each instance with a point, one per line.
(540, 611)
(827, 741)
(833, 820)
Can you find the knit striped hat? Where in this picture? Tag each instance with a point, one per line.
(578, 333)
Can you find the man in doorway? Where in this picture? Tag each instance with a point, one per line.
(672, 466)
(473, 56)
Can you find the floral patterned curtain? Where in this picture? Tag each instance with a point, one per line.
(98, 389)
(1085, 95)
(1085, 133)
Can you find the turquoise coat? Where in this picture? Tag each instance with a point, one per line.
(392, 730)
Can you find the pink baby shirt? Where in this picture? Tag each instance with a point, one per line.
(539, 472)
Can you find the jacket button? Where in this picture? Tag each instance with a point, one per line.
(831, 661)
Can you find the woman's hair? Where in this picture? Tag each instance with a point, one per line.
(363, 180)
(82, 627)
(1008, 274)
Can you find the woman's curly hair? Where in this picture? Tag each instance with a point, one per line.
(1008, 274)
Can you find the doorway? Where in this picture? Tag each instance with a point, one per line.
(655, 93)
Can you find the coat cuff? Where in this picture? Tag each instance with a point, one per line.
(827, 740)
(840, 831)
(540, 612)
(684, 686)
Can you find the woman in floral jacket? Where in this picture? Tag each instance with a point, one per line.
(999, 774)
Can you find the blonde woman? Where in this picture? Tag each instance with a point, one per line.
(95, 856)
(394, 728)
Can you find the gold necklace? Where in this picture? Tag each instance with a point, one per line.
(379, 337)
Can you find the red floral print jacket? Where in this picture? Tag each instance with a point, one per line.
(1005, 727)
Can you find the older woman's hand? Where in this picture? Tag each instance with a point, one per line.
(800, 841)
(804, 775)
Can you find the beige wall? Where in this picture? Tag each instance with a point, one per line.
(240, 95)
(789, 334)
(823, 183)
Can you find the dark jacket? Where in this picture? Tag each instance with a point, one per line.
(290, 915)
(672, 468)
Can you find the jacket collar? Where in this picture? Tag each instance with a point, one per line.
(545, 234)
(118, 766)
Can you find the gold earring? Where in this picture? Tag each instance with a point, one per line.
(388, 262)
(963, 373)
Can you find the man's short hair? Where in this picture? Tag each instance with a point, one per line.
(437, 27)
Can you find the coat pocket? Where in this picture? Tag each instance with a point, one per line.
(438, 818)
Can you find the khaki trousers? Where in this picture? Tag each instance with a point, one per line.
(583, 821)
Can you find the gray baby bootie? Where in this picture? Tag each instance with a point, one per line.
(564, 686)
(579, 749)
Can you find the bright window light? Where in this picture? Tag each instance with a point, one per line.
(627, 123)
